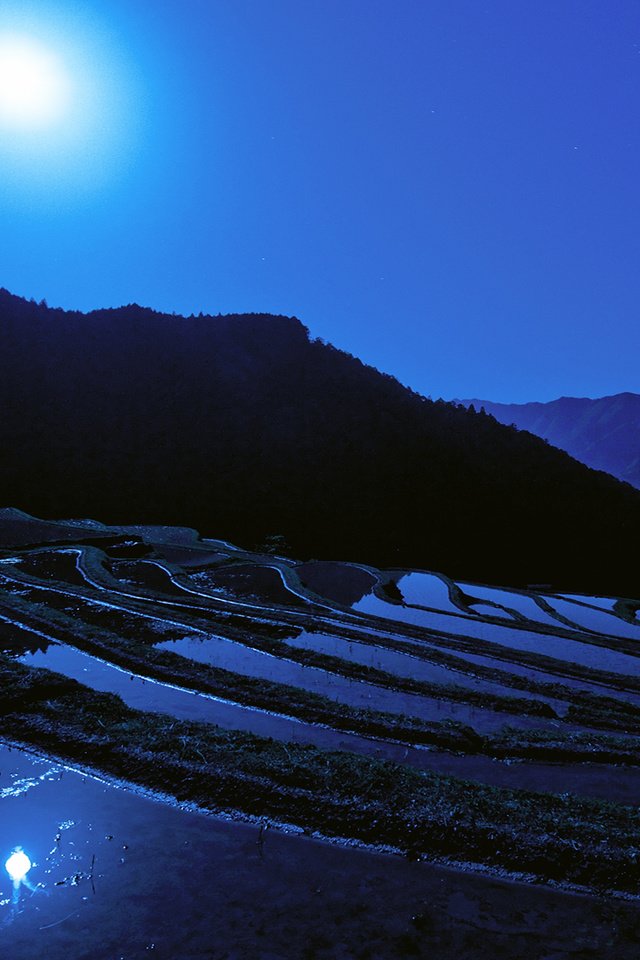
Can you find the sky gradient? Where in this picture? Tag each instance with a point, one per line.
(446, 188)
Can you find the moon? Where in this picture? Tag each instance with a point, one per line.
(35, 85)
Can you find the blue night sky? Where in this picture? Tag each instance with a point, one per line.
(448, 189)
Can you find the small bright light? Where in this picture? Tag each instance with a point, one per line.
(35, 88)
(18, 865)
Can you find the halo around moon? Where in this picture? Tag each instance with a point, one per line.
(73, 104)
(35, 85)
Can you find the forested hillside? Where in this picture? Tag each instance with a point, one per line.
(245, 428)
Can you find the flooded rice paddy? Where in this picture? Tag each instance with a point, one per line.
(115, 874)
(354, 693)
(344, 680)
(426, 590)
(320, 630)
(563, 648)
(522, 604)
(589, 618)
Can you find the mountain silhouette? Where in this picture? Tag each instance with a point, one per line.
(603, 433)
(245, 428)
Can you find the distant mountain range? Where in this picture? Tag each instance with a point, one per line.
(245, 428)
(603, 433)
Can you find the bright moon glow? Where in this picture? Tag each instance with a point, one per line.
(73, 110)
(18, 865)
(35, 88)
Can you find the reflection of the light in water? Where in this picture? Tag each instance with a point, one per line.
(18, 865)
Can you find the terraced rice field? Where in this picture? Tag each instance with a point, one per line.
(118, 645)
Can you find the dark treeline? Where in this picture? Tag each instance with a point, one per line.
(244, 428)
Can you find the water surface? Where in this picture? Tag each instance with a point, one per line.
(426, 590)
(176, 885)
(592, 619)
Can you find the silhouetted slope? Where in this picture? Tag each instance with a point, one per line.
(243, 427)
(603, 433)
